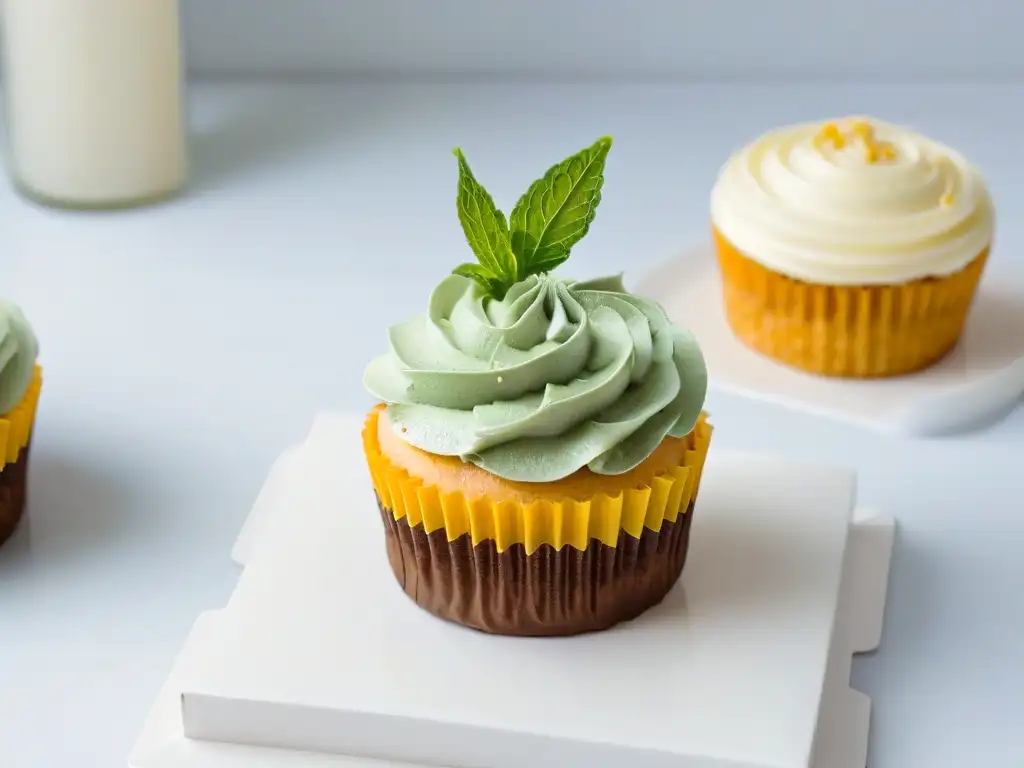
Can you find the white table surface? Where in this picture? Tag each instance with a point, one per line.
(185, 346)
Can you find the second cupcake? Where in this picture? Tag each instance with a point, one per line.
(850, 247)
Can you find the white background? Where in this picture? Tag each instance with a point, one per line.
(187, 345)
(877, 39)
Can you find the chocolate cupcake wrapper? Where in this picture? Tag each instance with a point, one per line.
(550, 592)
(13, 487)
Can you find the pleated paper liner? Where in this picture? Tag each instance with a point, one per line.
(845, 331)
(16, 436)
(555, 565)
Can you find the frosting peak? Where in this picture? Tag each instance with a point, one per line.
(555, 376)
(18, 351)
(855, 201)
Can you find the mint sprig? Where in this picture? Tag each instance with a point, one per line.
(553, 215)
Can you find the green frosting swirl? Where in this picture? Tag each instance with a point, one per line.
(19, 349)
(556, 376)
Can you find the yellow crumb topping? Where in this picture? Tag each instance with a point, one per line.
(830, 134)
(858, 132)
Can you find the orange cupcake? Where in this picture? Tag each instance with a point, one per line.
(540, 449)
(851, 247)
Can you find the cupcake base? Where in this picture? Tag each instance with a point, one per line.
(846, 331)
(547, 559)
(13, 490)
(547, 593)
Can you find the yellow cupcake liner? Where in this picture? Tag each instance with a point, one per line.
(16, 425)
(845, 331)
(555, 521)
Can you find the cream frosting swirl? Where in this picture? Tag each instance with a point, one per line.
(855, 201)
(19, 349)
(557, 376)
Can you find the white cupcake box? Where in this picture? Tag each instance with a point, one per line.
(319, 660)
(980, 381)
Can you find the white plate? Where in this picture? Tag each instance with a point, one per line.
(980, 381)
(748, 659)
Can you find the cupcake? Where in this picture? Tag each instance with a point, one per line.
(539, 445)
(21, 379)
(850, 248)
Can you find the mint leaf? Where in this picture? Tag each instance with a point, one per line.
(490, 284)
(556, 211)
(475, 271)
(485, 227)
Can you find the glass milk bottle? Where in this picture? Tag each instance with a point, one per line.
(94, 100)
